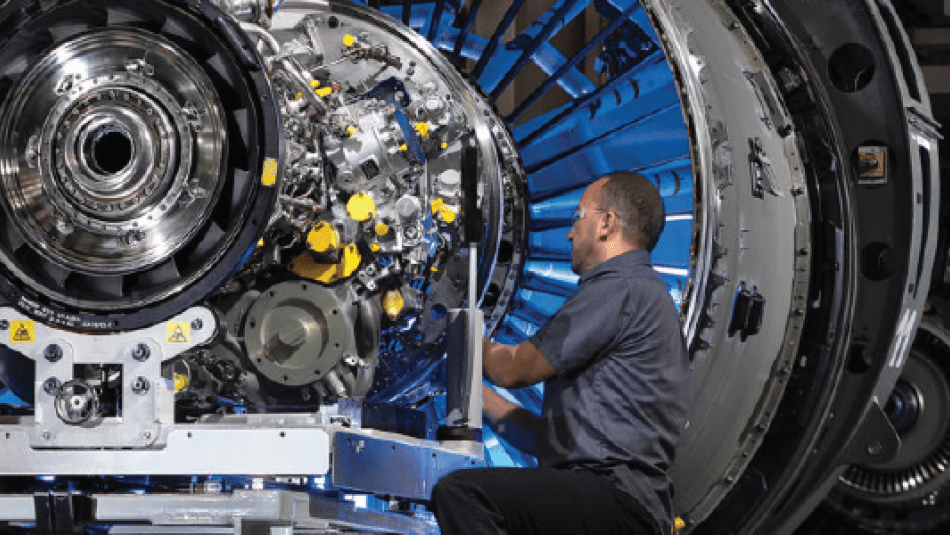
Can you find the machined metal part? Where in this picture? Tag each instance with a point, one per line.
(68, 417)
(296, 333)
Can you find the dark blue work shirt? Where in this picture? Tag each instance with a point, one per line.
(619, 400)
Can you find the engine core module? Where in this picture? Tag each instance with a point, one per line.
(224, 229)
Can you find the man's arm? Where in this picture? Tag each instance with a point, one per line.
(515, 366)
(517, 425)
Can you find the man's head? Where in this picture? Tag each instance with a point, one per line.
(619, 212)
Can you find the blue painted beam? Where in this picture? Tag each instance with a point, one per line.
(649, 141)
(570, 65)
(499, 75)
(537, 306)
(555, 211)
(638, 96)
(465, 27)
(496, 38)
(611, 8)
(614, 94)
(548, 276)
(550, 244)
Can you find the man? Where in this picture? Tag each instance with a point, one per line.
(615, 372)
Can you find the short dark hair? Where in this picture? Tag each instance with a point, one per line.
(637, 203)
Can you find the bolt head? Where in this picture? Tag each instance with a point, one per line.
(141, 352)
(53, 353)
(51, 386)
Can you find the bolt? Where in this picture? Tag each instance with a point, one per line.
(51, 386)
(140, 385)
(141, 352)
(4, 325)
(146, 435)
(53, 353)
(197, 324)
(46, 435)
(134, 237)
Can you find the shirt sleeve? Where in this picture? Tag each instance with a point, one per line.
(586, 326)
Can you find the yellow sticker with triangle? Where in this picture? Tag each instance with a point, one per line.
(22, 332)
(177, 332)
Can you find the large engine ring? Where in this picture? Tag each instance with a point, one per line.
(141, 154)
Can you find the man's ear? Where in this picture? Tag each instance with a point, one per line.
(610, 223)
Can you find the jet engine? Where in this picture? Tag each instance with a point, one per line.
(232, 244)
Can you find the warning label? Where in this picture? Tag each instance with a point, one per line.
(22, 332)
(177, 332)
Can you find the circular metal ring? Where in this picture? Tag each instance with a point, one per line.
(129, 164)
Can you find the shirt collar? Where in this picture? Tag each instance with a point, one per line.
(637, 257)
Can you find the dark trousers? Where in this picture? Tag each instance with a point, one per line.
(523, 501)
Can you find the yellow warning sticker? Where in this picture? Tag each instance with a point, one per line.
(269, 174)
(177, 332)
(22, 332)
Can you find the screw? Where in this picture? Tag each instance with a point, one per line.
(46, 435)
(141, 352)
(4, 325)
(875, 448)
(197, 324)
(146, 435)
(53, 353)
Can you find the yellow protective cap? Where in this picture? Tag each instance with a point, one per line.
(403, 147)
(444, 145)
(439, 207)
(323, 238)
(381, 229)
(323, 91)
(269, 172)
(260, 242)
(361, 207)
(351, 130)
(393, 303)
(423, 129)
(314, 84)
(678, 524)
(305, 266)
(298, 96)
(181, 382)
(375, 248)
(349, 40)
